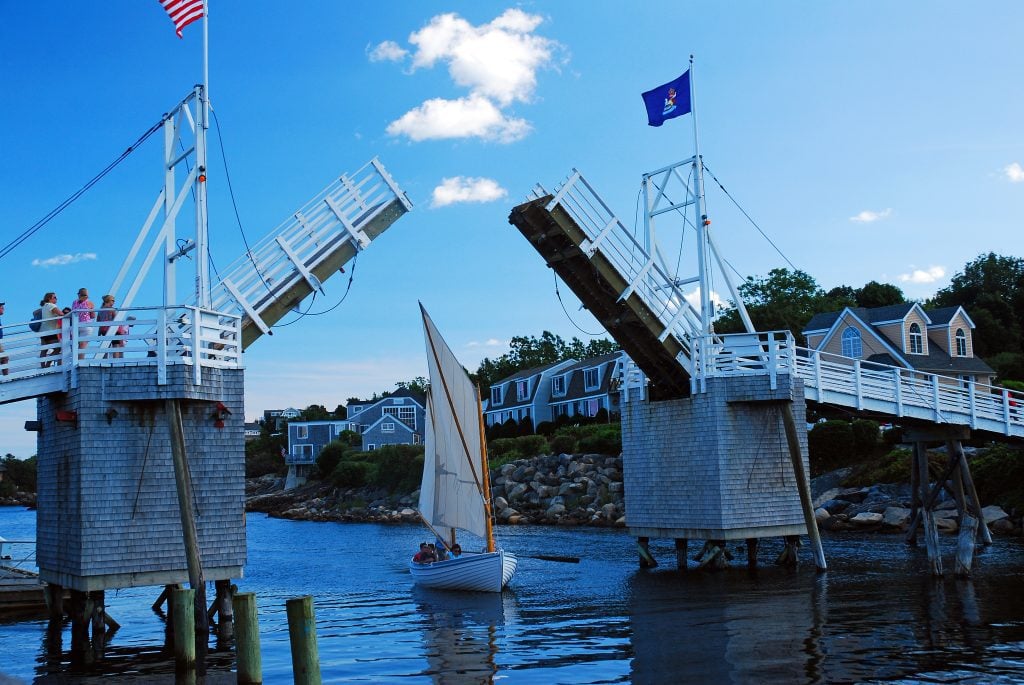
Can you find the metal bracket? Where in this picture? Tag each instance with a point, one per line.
(244, 304)
(313, 281)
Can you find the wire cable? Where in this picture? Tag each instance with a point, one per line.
(576, 325)
(302, 315)
(53, 213)
(752, 222)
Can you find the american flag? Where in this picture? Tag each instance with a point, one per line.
(183, 12)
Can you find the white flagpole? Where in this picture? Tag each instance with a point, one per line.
(706, 313)
(203, 298)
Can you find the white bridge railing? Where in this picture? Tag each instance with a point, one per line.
(36, 362)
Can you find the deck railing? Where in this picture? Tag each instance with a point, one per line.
(18, 555)
(152, 336)
(742, 354)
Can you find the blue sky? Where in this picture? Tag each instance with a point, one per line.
(870, 141)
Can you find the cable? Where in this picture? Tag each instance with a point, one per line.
(306, 313)
(234, 204)
(559, 295)
(31, 230)
(752, 222)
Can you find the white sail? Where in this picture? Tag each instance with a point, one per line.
(450, 493)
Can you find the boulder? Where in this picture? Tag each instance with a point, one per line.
(834, 506)
(946, 524)
(517, 492)
(821, 515)
(993, 513)
(827, 496)
(500, 504)
(855, 495)
(897, 517)
(867, 518)
(555, 510)
(507, 513)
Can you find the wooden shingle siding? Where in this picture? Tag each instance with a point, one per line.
(107, 502)
(715, 465)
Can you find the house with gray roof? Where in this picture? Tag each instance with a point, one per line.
(393, 420)
(588, 386)
(937, 341)
(525, 394)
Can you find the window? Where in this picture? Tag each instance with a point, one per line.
(300, 450)
(591, 378)
(302, 432)
(916, 339)
(371, 447)
(852, 346)
(522, 390)
(415, 438)
(496, 394)
(961, 343)
(406, 415)
(387, 427)
(355, 408)
(560, 410)
(558, 385)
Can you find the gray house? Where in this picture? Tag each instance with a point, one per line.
(587, 387)
(305, 440)
(393, 420)
(525, 394)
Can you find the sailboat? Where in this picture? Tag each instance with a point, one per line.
(455, 490)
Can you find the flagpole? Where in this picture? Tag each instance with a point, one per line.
(702, 222)
(203, 298)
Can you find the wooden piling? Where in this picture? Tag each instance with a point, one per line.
(80, 652)
(646, 560)
(183, 607)
(55, 602)
(183, 483)
(99, 630)
(681, 544)
(972, 493)
(803, 485)
(302, 635)
(965, 546)
(247, 639)
(752, 553)
(931, 533)
(915, 501)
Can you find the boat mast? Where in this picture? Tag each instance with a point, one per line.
(487, 475)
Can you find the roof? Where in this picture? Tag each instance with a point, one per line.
(527, 373)
(874, 315)
(576, 388)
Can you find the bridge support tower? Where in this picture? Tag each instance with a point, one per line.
(729, 463)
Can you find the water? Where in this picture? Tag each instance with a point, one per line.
(874, 617)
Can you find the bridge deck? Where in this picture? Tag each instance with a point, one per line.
(600, 286)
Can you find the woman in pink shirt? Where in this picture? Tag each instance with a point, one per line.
(82, 310)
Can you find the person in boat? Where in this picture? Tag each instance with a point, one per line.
(439, 549)
(425, 555)
(456, 551)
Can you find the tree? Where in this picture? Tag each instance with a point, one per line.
(417, 385)
(783, 300)
(991, 290)
(875, 294)
(314, 412)
(341, 412)
(527, 352)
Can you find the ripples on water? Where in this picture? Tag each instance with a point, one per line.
(874, 617)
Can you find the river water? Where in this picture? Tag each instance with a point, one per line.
(875, 616)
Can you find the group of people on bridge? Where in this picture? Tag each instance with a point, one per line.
(48, 320)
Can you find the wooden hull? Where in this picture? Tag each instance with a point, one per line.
(487, 572)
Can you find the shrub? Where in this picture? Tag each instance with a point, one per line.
(830, 446)
(525, 426)
(399, 467)
(893, 467)
(999, 476)
(563, 444)
(329, 457)
(350, 438)
(531, 445)
(352, 474)
(545, 428)
(601, 416)
(606, 439)
(865, 436)
(502, 447)
(893, 436)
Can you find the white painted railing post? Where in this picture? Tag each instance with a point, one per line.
(196, 346)
(1006, 410)
(161, 347)
(974, 407)
(935, 398)
(817, 375)
(773, 361)
(898, 377)
(857, 384)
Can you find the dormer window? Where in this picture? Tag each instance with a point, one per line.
(496, 394)
(558, 385)
(961, 343)
(916, 339)
(591, 379)
(522, 390)
(852, 346)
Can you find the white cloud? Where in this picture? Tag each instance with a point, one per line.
(1014, 172)
(387, 51)
(867, 216)
(498, 60)
(929, 275)
(490, 342)
(467, 189)
(693, 297)
(64, 259)
(472, 117)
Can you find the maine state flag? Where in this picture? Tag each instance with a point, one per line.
(668, 101)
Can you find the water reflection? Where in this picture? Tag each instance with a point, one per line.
(728, 627)
(460, 633)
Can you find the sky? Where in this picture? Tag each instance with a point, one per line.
(867, 141)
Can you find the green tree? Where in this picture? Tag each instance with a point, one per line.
(418, 384)
(341, 412)
(991, 290)
(527, 352)
(875, 294)
(314, 412)
(783, 300)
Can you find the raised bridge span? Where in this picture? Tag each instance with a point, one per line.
(626, 286)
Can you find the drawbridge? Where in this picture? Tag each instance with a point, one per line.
(625, 283)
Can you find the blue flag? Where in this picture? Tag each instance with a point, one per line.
(668, 101)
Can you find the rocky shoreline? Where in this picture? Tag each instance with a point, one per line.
(586, 489)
